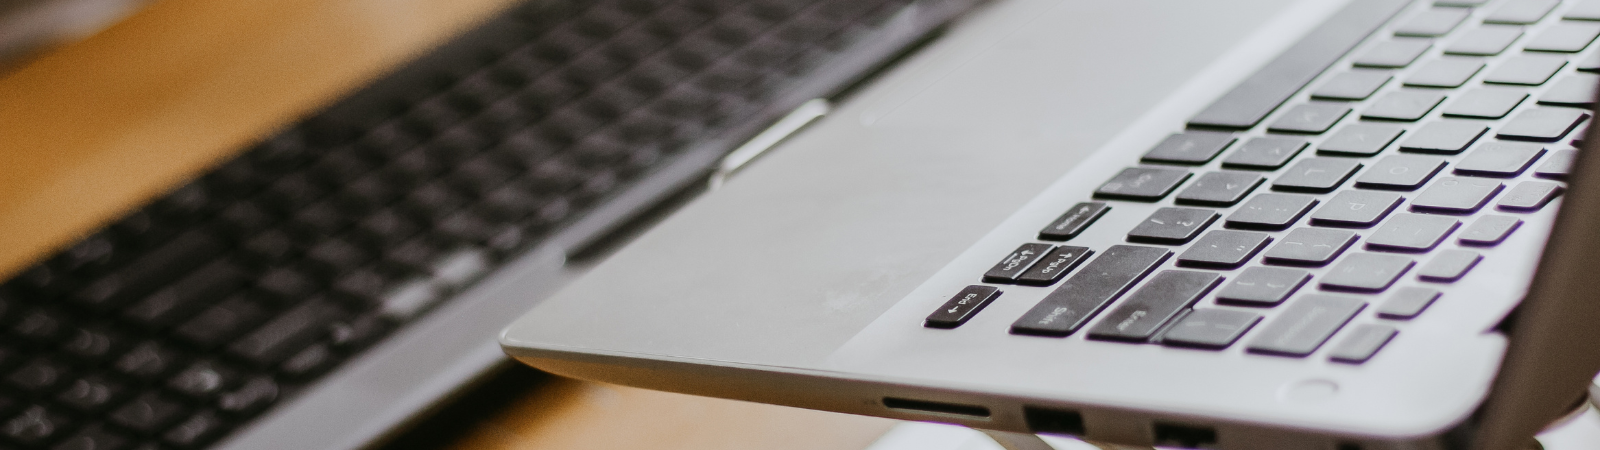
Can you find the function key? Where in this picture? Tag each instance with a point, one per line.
(1564, 37)
(1485, 103)
(1144, 312)
(1366, 272)
(1557, 165)
(1263, 286)
(1433, 22)
(1264, 153)
(1488, 230)
(1172, 225)
(1394, 53)
(1445, 136)
(1142, 183)
(1527, 70)
(1446, 72)
(1008, 269)
(1221, 188)
(1362, 343)
(1360, 139)
(1405, 105)
(1224, 249)
(1457, 195)
(1194, 147)
(1311, 118)
(1054, 265)
(1074, 221)
(1499, 159)
(1529, 196)
(1521, 12)
(1487, 40)
(1317, 174)
(1079, 298)
(1270, 211)
(1356, 208)
(1572, 90)
(962, 307)
(1449, 265)
(1408, 232)
(1356, 84)
(1401, 172)
(1308, 322)
(1210, 328)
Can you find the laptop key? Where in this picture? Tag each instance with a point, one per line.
(1401, 172)
(1317, 174)
(1172, 225)
(1405, 105)
(1360, 139)
(1446, 72)
(148, 413)
(1521, 12)
(1074, 221)
(1264, 153)
(1408, 232)
(1529, 196)
(1144, 312)
(36, 426)
(1263, 286)
(1394, 53)
(1366, 272)
(1194, 147)
(1572, 90)
(1081, 296)
(1310, 118)
(1486, 40)
(1353, 85)
(287, 333)
(1564, 37)
(1221, 188)
(1557, 165)
(1356, 209)
(1309, 246)
(1307, 323)
(1270, 211)
(1584, 10)
(1054, 265)
(1449, 265)
(1142, 183)
(1407, 302)
(1543, 124)
(962, 307)
(1499, 159)
(1362, 343)
(1210, 328)
(1433, 22)
(1527, 70)
(1485, 103)
(1457, 195)
(1489, 230)
(1445, 136)
(1224, 249)
(1008, 269)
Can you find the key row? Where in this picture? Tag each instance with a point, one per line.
(1444, 137)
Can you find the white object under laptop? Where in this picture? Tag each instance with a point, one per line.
(804, 280)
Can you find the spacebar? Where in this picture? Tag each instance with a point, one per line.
(1250, 101)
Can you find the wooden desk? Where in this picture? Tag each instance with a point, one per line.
(92, 129)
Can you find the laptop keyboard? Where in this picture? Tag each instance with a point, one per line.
(191, 316)
(1402, 163)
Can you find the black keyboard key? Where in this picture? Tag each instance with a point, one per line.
(1412, 232)
(151, 271)
(1152, 305)
(1142, 183)
(1446, 72)
(1401, 172)
(1054, 265)
(1407, 303)
(286, 334)
(1485, 103)
(197, 430)
(1449, 265)
(93, 343)
(1224, 249)
(148, 413)
(93, 393)
(1572, 90)
(961, 307)
(285, 285)
(178, 301)
(1457, 195)
(1356, 209)
(1008, 269)
(36, 425)
(1445, 136)
(1102, 280)
(1270, 211)
(1394, 53)
(1194, 147)
(1564, 37)
(40, 326)
(1316, 175)
(1529, 196)
(1172, 225)
(1433, 22)
(1306, 324)
(1264, 153)
(1499, 159)
(1487, 40)
(1366, 272)
(1557, 166)
(1221, 188)
(335, 256)
(1521, 12)
(254, 395)
(149, 360)
(1074, 221)
(1311, 118)
(1310, 247)
(1353, 85)
(1209, 328)
(39, 375)
(1263, 286)
(204, 379)
(1360, 139)
(1405, 105)
(221, 322)
(1526, 70)
(1362, 343)
(309, 362)
(94, 437)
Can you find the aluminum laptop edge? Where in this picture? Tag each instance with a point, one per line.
(803, 280)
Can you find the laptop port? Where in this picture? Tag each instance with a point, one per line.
(1053, 421)
(942, 408)
(1185, 436)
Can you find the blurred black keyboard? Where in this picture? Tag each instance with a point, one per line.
(190, 316)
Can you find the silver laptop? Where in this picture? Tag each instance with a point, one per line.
(1223, 224)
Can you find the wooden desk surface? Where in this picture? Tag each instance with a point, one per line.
(94, 128)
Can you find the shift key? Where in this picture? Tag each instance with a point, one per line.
(1306, 325)
(1083, 295)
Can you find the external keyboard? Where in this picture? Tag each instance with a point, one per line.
(191, 316)
(1362, 169)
